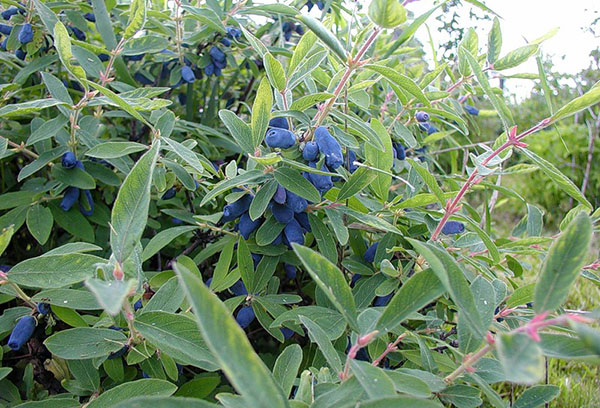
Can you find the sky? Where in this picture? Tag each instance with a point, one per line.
(526, 20)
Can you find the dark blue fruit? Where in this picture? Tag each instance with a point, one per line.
(8, 13)
(293, 232)
(20, 54)
(400, 151)
(245, 316)
(103, 57)
(80, 35)
(26, 34)
(233, 33)
(187, 74)
(310, 152)
(322, 182)
(256, 258)
(90, 17)
(287, 333)
(237, 208)
(296, 203)
(290, 271)
(329, 147)
(381, 301)
(279, 122)
(5, 29)
(134, 57)
(239, 289)
(137, 305)
(369, 255)
(278, 240)
(280, 195)
(118, 353)
(225, 41)
(247, 226)
(21, 333)
(43, 308)
(453, 227)
(355, 279)
(422, 116)
(282, 213)
(70, 198)
(142, 79)
(281, 138)
(351, 158)
(170, 193)
(302, 219)
(87, 208)
(471, 110)
(68, 160)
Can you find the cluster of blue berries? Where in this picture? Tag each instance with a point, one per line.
(288, 29)
(25, 35)
(232, 33)
(471, 110)
(25, 327)
(423, 119)
(218, 61)
(320, 5)
(71, 196)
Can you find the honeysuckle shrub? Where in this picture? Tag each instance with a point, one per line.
(246, 205)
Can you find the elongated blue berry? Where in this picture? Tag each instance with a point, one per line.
(281, 138)
(453, 227)
(329, 147)
(68, 160)
(217, 55)
(233, 33)
(295, 202)
(138, 305)
(355, 279)
(293, 232)
(26, 34)
(290, 271)
(237, 208)
(279, 122)
(256, 258)
(43, 308)
(238, 288)
(21, 333)
(225, 41)
(282, 213)
(170, 193)
(80, 35)
(381, 301)
(310, 152)
(350, 160)
(278, 239)
(421, 150)
(142, 79)
(247, 226)
(71, 196)
(302, 219)
(369, 255)
(422, 116)
(20, 54)
(118, 353)
(90, 17)
(187, 74)
(245, 316)
(471, 110)
(322, 182)
(8, 13)
(103, 57)
(5, 29)
(280, 195)
(87, 208)
(400, 151)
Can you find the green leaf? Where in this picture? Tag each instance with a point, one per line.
(318, 336)
(373, 379)
(120, 102)
(85, 373)
(452, 277)
(229, 344)
(261, 199)
(402, 81)
(46, 15)
(70, 298)
(395, 402)
(328, 38)
(268, 231)
(164, 238)
(137, 18)
(494, 41)
(306, 67)
(47, 130)
(409, 31)
(130, 211)
(145, 387)
(360, 179)
(176, 335)
(306, 43)
(39, 222)
(294, 182)
(75, 177)
(112, 150)
(261, 112)
(286, 367)
(110, 294)
(275, 72)
(537, 396)
(82, 343)
(562, 264)
(256, 44)
(370, 220)
(241, 132)
(186, 154)
(387, 13)
(521, 358)
(166, 402)
(28, 107)
(590, 98)
(246, 266)
(331, 280)
(307, 101)
(5, 237)
(54, 271)
(418, 291)
(429, 179)
(485, 301)
(380, 159)
(62, 42)
(516, 57)
(462, 396)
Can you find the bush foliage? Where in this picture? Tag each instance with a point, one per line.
(238, 204)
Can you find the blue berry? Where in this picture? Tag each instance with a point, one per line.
(421, 150)
(287, 27)
(142, 79)
(134, 57)
(80, 35)
(70, 198)
(453, 227)
(278, 239)
(279, 122)
(8, 13)
(43, 308)
(237, 208)
(187, 74)
(137, 305)
(233, 33)
(68, 160)
(118, 353)
(22, 332)
(351, 158)
(369, 255)
(256, 258)
(355, 279)
(422, 116)
(280, 138)
(302, 219)
(400, 151)
(322, 182)
(329, 147)
(20, 54)
(471, 110)
(296, 203)
(3, 44)
(293, 232)
(381, 301)
(217, 55)
(90, 17)
(88, 209)
(299, 29)
(26, 34)
(239, 289)
(310, 152)
(280, 195)
(5, 29)
(225, 41)
(247, 226)
(290, 271)
(170, 193)
(282, 213)
(287, 333)
(103, 57)
(245, 316)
